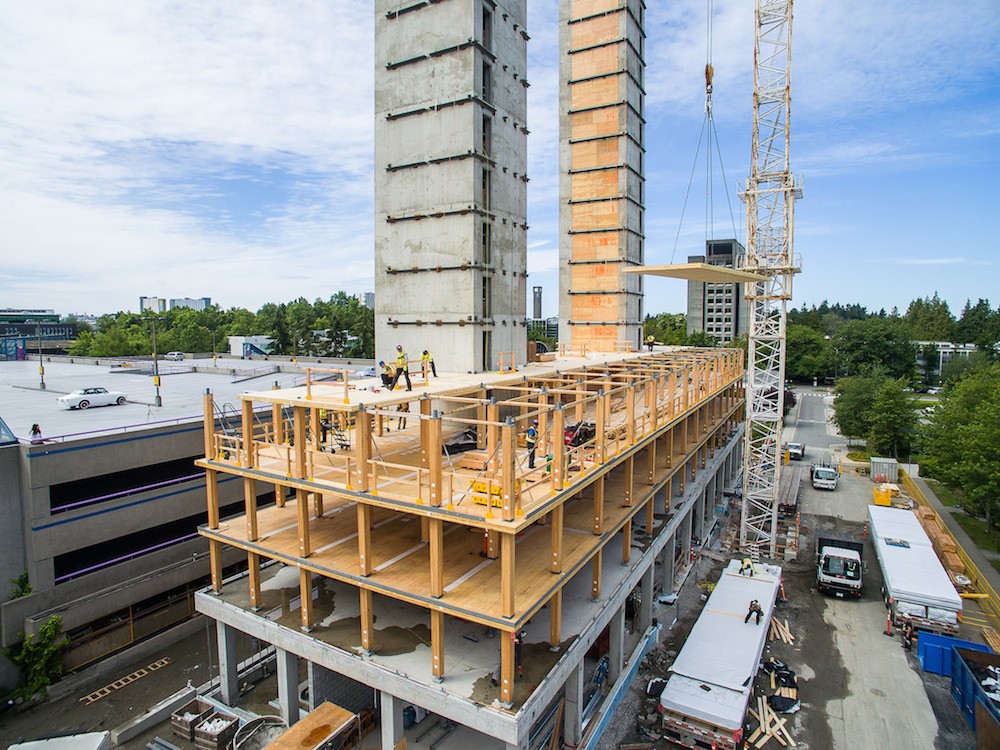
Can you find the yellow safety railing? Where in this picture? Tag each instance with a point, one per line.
(991, 603)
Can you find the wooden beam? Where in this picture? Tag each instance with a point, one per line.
(627, 541)
(508, 467)
(651, 463)
(437, 643)
(302, 513)
(507, 575)
(212, 493)
(314, 428)
(367, 619)
(250, 501)
(558, 448)
(481, 422)
(629, 480)
(557, 539)
(506, 666)
(595, 575)
(215, 563)
(425, 412)
(253, 567)
(365, 562)
(277, 424)
(208, 424)
(600, 437)
(305, 594)
(630, 415)
(433, 448)
(435, 532)
(318, 504)
(247, 419)
(492, 544)
(555, 619)
(299, 427)
(543, 424)
(363, 432)
(598, 525)
(493, 436)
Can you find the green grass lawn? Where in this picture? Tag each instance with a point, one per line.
(858, 457)
(947, 495)
(976, 528)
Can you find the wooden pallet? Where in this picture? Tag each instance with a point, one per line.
(992, 638)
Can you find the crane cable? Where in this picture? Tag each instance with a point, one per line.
(708, 126)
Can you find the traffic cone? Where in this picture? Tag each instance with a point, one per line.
(888, 623)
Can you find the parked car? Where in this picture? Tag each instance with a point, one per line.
(796, 451)
(174, 356)
(368, 372)
(579, 433)
(84, 398)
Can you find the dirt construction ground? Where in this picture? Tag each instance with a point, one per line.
(859, 689)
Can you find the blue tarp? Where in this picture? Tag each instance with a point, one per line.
(934, 651)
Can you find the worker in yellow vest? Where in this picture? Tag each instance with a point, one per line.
(388, 371)
(531, 441)
(402, 368)
(650, 340)
(427, 360)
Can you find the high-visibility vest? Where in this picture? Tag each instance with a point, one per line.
(389, 369)
(401, 360)
(532, 437)
(426, 358)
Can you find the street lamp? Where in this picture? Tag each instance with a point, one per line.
(41, 365)
(213, 349)
(157, 401)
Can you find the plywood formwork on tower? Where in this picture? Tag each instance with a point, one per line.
(601, 183)
(446, 516)
(450, 181)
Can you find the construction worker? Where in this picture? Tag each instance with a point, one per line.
(402, 368)
(518, 638)
(746, 567)
(754, 610)
(427, 360)
(403, 410)
(387, 373)
(531, 441)
(650, 340)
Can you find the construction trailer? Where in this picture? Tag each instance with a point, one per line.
(915, 585)
(705, 700)
(398, 535)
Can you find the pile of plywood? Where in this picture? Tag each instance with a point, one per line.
(781, 632)
(771, 725)
(944, 544)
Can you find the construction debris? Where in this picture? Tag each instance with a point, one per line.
(770, 726)
(781, 632)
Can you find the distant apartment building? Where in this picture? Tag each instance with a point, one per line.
(193, 303)
(152, 304)
(719, 310)
(368, 300)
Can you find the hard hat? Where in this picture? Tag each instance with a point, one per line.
(425, 351)
(399, 347)
(535, 421)
(381, 363)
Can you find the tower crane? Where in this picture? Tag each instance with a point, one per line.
(770, 197)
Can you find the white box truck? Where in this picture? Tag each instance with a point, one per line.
(915, 585)
(824, 477)
(839, 565)
(704, 702)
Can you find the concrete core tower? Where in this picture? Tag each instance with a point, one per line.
(450, 182)
(601, 45)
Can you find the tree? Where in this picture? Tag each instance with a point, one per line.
(39, 658)
(667, 328)
(892, 420)
(808, 353)
(930, 319)
(979, 325)
(863, 345)
(961, 444)
(852, 405)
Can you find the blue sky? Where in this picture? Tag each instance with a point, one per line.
(204, 149)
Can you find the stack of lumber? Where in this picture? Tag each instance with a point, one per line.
(781, 632)
(992, 639)
(943, 543)
(770, 726)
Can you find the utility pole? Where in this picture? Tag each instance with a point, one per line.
(157, 401)
(41, 364)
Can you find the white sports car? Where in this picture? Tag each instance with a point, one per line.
(84, 398)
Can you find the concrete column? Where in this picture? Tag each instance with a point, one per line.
(698, 515)
(228, 678)
(391, 720)
(646, 591)
(616, 645)
(573, 712)
(288, 685)
(685, 533)
(667, 569)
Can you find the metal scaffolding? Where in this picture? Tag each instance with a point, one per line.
(770, 197)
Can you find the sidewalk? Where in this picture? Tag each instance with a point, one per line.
(991, 574)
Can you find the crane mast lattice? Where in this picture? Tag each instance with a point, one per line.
(770, 199)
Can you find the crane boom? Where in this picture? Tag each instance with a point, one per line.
(770, 200)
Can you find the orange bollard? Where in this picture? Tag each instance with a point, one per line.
(888, 623)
